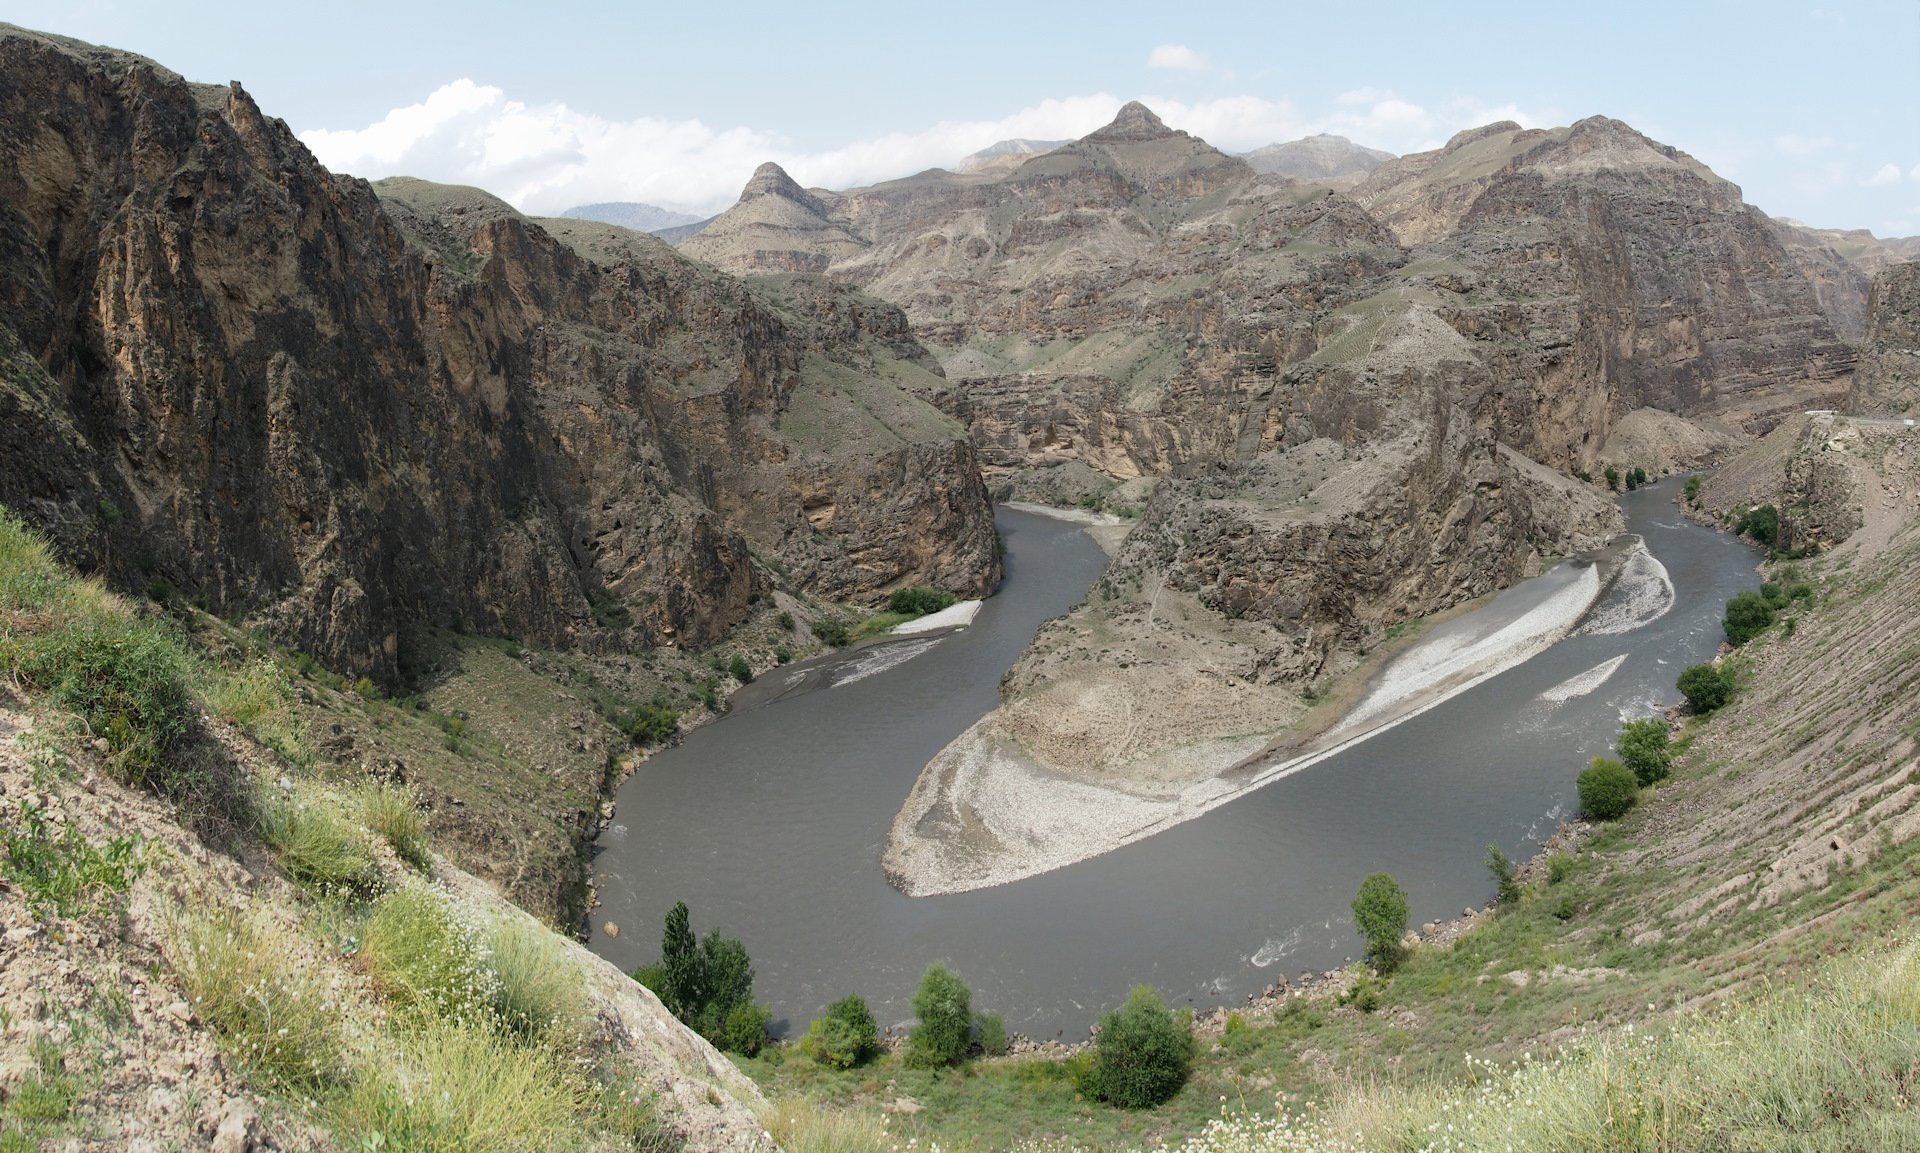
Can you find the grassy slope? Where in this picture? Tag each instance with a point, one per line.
(1784, 837)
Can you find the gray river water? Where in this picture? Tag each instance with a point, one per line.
(770, 822)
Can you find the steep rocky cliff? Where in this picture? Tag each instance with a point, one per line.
(1887, 382)
(341, 408)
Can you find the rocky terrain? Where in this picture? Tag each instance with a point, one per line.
(337, 410)
(1350, 408)
(1887, 382)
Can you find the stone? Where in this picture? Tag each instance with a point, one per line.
(238, 1123)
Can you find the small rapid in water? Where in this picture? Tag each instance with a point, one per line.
(770, 822)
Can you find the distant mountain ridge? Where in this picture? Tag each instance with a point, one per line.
(1321, 157)
(1006, 154)
(632, 214)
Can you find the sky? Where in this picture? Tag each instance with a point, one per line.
(1814, 109)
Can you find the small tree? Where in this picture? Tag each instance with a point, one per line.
(990, 1030)
(708, 986)
(1637, 477)
(1706, 688)
(1142, 1054)
(1607, 789)
(1500, 866)
(945, 1020)
(1748, 615)
(846, 1036)
(1693, 491)
(682, 974)
(1644, 749)
(1613, 478)
(1380, 913)
(741, 670)
(1762, 524)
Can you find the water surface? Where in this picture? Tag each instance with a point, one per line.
(770, 823)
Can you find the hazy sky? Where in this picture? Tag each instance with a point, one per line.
(1813, 109)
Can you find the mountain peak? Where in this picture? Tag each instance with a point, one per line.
(1135, 121)
(772, 180)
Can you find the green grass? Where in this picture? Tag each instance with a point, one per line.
(536, 988)
(277, 1018)
(455, 1087)
(316, 844)
(879, 623)
(425, 957)
(390, 812)
(257, 698)
(1823, 1069)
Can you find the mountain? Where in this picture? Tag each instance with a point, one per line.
(631, 214)
(1332, 411)
(339, 409)
(775, 226)
(1322, 157)
(1887, 382)
(1005, 155)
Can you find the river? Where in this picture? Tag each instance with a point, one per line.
(770, 822)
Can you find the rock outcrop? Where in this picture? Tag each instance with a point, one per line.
(338, 408)
(1887, 382)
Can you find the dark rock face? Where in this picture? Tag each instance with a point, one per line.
(342, 408)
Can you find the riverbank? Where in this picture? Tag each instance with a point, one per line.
(987, 812)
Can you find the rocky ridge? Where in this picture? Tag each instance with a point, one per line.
(337, 409)
(1323, 157)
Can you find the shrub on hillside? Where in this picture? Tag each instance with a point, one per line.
(990, 1030)
(1748, 615)
(1762, 524)
(1643, 748)
(127, 678)
(918, 600)
(1380, 913)
(741, 670)
(1607, 789)
(833, 633)
(316, 846)
(1706, 687)
(847, 1036)
(1142, 1054)
(944, 1020)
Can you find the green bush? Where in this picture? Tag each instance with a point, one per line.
(1559, 868)
(944, 1011)
(648, 724)
(705, 984)
(1693, 491)
(1706, 687)
(1643, 748)
(1142, 1054)
(1607, 789)
(1748, 615)
(741, 670)
(918, 600)
(1762, 524)
(847, 1036)
(782, 655)
(1613, 478)
(832, 632)
(1506, 888)
(991, 1032)
(1380, 913)
(745, 1029)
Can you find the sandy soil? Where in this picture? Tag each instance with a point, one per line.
(985, 812)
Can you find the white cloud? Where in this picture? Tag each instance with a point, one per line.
(1915, 174)
(548, 157)
(1177, 56)
(1888, 174)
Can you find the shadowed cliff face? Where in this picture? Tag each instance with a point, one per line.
(1888, 382)
(344, 408)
